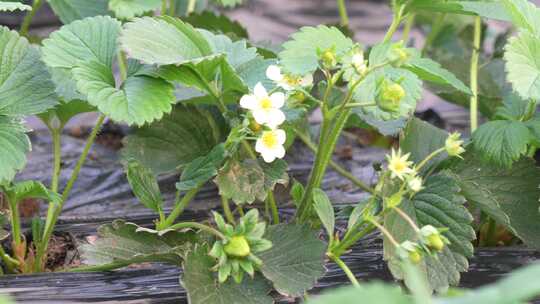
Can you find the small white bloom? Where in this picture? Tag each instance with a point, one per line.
(399, 165)
(265, 108)
(287, 82)
(454, 144)
(270, 145)
(359, 63)
(415, 184)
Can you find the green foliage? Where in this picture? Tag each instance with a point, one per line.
(72, 10)
(144, 185)
(201, 169)
(217, 23)
(324, 210)
(300, 55)
(203, 288)
(370, 293)
(128, 9)
(176, 140)
(13, 6)
(162, 41)
(508, 195)
(487, 8)
(14, 144)
(124, 243)
(30, 189)
(523, 64)
(228, 3)
(524, 14)
(502, 142)
(295, 261)
(441, 206)
(420, 139)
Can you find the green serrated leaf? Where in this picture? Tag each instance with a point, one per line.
(126, 243)
(174, 141)
(300, 55)
(502, 142)
(14, 144)
(420, 140)
(441, 206)
(163, 40)
(201, 169)
(90, 39)
(367, 93)
(31, 189)
(140, 99)
(524, 14)
(25, 83)
(13, 6)
(128, 9)
(203, 288)
(72, 10)
(324, 210)
(144, 185)
(217, 23)
(296, 260)
(274, 173)
(488, 9)
(508, 195)
(64, 112)
(431, 71)
(243, 182)
(523, 64)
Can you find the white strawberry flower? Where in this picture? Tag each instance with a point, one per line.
(399, 165)
(287, 82)
(265, 108)
(270, 145)
(359, 63)
(415, 184)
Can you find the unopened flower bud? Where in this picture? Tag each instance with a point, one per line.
(329, 59)
(237, 247)
(399, 55)
(415, 184)
(453, 144)
(411, 251)
(359, 63)
(390, 96)
(432, 238)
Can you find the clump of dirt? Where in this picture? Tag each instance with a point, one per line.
(62, 253)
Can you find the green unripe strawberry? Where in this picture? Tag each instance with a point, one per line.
(237, 247)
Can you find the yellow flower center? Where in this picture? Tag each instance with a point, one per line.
(270, 140)
(292, 81)
(266, 103)
(399, 166)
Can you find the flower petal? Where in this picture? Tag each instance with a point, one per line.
(273, 72)
(281, 136)
(259, 146)
(306, 80)
(274, 118)
(261, 116)
(260, 91)
(278, 100)
(248, 102)
(268, 157)
(279, 152)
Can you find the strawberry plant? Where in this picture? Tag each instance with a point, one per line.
(207, 104)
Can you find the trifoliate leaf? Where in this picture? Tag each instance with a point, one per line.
(90, 39)
(242, 182)
(523, 64)
(128, 9)
(300, 55)
(217, 23)
(502, 141)
(441, 206)
(324, 210)
(14, 144)
(367, 93)
(176, 140)
(296, 260)
(25, 84)
(203, 288)
(162, 41)
(524, 14)
(31, 189)
(140, 99)
(71, 10)
(126, 243)
(420, 140)
(144, 185)
(508, 195)
(13, 6)
(369, 293)
(201, 169)
(431, 71)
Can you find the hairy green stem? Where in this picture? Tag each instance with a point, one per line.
(15, 220)
(344, 17)
(199, 226)
(345, 269)
(474, 72)
(163, 7)
(54, 213)
(179, 207)
(25, 26)
(122, 64)
(408, 27)
(429, 157)
(273, 206)
(386, 233)
(172, 7)
(396, 22)
(10, 263)
(227, 210)
(350, 239)
(340, 170)
(407, 218)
